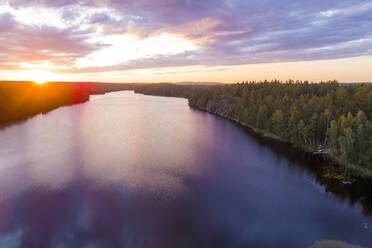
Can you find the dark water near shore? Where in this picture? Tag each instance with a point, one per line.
(127, 170)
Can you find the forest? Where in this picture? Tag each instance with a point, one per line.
(20, 100)
(168, 89)
(324, 117)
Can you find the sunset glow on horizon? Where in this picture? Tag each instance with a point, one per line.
(37, 76)
(225, 41)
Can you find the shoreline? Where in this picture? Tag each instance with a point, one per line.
(334, 172)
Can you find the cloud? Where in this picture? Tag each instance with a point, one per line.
(7, 23)
(21, 43)
(226, 31)
(49, 3)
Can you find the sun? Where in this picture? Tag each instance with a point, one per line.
(37, 76)
(39, 82)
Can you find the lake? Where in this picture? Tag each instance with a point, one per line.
(128, 170)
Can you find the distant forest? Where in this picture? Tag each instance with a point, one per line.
(334, 118)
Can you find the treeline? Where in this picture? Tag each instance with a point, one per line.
(20, 100)
(24, 99)
(327, 116)
(168, 89)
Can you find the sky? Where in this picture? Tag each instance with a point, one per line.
(185, 40)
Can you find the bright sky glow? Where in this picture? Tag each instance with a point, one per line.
(36, 16)
(38, 76)
(123, 48)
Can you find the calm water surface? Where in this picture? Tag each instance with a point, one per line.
(127, 170)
